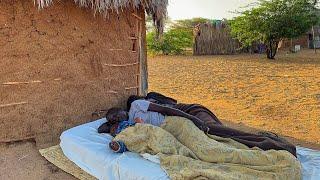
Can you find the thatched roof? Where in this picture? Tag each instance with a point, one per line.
(155, 8)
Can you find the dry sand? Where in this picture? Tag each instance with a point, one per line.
(23, 161)
(281, 95)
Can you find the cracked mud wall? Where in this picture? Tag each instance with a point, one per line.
(58, 65)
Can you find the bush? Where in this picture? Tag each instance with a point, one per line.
(173, 42)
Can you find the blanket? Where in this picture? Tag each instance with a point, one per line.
(188, 153)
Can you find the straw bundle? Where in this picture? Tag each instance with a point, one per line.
(155, 8)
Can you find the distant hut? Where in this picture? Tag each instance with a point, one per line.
(214, 39)
(60, 64)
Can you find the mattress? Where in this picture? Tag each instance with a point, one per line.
(89, 150)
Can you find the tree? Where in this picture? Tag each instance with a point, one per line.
(177, 37)
(274, 20)
(173, 42)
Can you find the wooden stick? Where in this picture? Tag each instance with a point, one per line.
(12, 104)
(31, 137)
(17, 83)
(115, 49)
(136, 16)
(112, 92)
(129, 88)
(58, 79)
(122, 65)
(133, 38)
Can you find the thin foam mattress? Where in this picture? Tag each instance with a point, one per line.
(88, 149)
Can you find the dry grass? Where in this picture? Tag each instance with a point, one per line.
(282, 96)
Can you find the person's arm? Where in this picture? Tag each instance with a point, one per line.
(168, 111)
(138, 120)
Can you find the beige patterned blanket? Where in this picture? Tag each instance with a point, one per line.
(187, 153)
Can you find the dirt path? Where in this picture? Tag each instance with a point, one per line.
(282, 96)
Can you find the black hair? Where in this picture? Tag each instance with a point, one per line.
(105, 128)
(112, 111)
(131, 99)
(116, 115)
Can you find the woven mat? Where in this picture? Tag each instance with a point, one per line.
(55, 156)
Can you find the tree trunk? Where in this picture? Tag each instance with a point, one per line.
(272, 48)
(314, 41)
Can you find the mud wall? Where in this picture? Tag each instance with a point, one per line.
(60, 64)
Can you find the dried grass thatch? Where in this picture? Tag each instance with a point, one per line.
(211, 39)
(155, 8)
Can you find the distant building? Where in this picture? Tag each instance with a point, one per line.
(214, 38)
(305, 41)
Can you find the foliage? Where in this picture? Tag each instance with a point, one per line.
(176, 39)
(274, 20)
(189, 24)
(173, 42)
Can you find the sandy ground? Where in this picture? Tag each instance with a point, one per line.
(248, 92)
(23, 161)
(281, 95)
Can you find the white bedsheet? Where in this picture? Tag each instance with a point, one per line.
(89, 150)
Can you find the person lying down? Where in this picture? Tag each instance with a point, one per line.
(187, 152)
(141, 111)
(156, 114)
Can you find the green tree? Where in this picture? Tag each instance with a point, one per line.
(173, 42)
(177, 37)
(274, 20)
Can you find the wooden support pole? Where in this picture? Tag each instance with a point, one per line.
(143, 67)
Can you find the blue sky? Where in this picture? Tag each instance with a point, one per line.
(211, 9)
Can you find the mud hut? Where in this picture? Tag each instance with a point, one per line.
(62, 60)
(214, 39)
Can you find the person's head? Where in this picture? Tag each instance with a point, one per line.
(131, 99)
(115, 115)
(109, 128)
